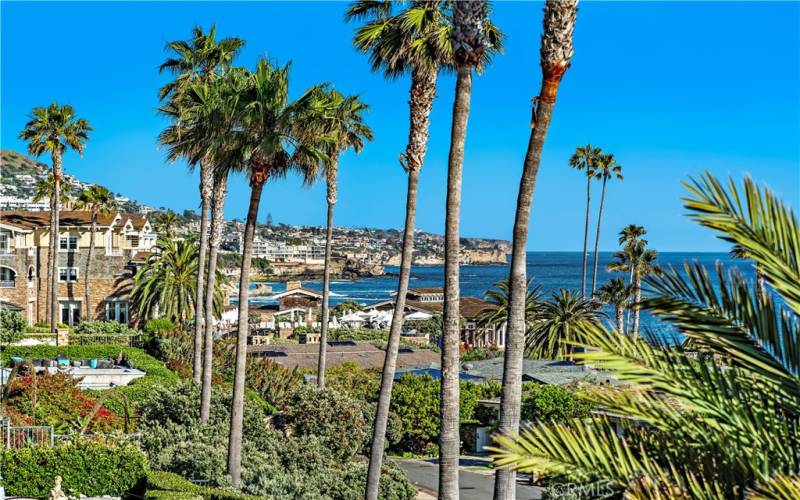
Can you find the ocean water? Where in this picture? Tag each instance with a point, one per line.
(550, 271)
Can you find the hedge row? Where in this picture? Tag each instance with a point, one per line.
(166, 485)
(86, 467)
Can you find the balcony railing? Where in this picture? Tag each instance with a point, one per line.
(7, 283)
(8, 251)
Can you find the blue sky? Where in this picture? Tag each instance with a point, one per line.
(670, 88)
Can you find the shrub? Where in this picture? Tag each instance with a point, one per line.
(553, 403)
(350, 379)
(12, 326)
(56, 400)
(416, 401)
(104, 328)
(87, 467)
(477, 354)
(166, 485)
(159, 326)
(337, 420)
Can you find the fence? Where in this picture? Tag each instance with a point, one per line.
(130, 340)
(21, 436)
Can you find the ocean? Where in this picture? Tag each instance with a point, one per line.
(550, 271)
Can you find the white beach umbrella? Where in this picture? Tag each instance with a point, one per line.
(418, 316)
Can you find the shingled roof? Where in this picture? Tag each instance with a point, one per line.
(364, 354)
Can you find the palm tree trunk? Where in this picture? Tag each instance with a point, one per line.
(637, 297)
(54, 237)
(422, 93)
(205, 201)
(92, 232)
(597, 235)
(510, 401)
(449, 436)
(326, 274)
(237, 404)
(586, 235)
(620, 318)
(217, 216)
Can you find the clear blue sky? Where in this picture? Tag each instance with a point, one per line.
(670, 88)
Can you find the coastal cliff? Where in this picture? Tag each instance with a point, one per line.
(468, 257)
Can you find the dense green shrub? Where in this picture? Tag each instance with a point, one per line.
(551, 402)
(86, 467)
(12, 326)
(166, 485)
(337, 420)
(104, 328)
(478, 353)
(416, 399)
(350, 379)
(159, 326)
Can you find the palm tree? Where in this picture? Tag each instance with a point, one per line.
(164, 286)
(44, 187)
(343, 121)
(606, 169)
(556, 52)
(198, 60)
(497, 314)
(586, 158)
(616, 293)
(53, 130)
(561, 321)
(636, 260)
(723, 424)
(97, 200)
(276, 137)
(468, 39)
(166, 222)
(410, 40)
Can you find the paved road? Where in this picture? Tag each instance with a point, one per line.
(472, 485)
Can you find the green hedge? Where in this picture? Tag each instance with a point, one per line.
(87, 467)
(135, 392)
(166, 485)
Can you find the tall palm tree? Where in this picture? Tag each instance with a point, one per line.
(410, 39)
(561, 320)
(607, 168)
(723, 424)
(164, 286)
(468, 39)
(343, 120)
(617, 294)
(198, 60)
(54, 129)
(555, 54)
(276, 138)
(166, 223)
(586, 158)
(497, 314)
(97, 200)
(638, 261)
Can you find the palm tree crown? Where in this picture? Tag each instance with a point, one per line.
(43, 190)
(606, 167)
(54, 129)
(561, 320)
(497, 314)
(96, 199)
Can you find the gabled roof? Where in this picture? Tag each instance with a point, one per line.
(470, 307)
(298, 291)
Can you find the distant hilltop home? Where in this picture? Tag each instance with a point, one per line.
(431, 301)
(122, 242)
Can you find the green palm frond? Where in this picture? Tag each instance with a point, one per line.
(758, 222)
(780, 487)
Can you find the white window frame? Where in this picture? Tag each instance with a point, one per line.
(67, 278)
(72, 306)
(5, 241)
(69, 239)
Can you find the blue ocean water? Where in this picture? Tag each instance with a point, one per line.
(550, 271)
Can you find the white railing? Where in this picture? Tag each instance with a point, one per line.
(21, 436)
(7, 283)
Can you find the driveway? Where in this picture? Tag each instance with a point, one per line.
(472, 485)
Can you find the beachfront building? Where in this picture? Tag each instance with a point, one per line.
(280, 251)
(121, 241)
(431, 301)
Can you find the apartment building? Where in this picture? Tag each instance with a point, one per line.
(120, 241)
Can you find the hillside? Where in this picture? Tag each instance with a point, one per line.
(18, 173)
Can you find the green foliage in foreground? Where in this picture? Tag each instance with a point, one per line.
(86, 467)
(169, 486)
(721, 424)
(130, 395)
(12, 326)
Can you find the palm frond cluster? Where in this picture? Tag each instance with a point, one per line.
(719, 416)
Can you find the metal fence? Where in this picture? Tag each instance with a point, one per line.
(21, 436)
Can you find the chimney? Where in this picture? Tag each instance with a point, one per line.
(293, 285)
